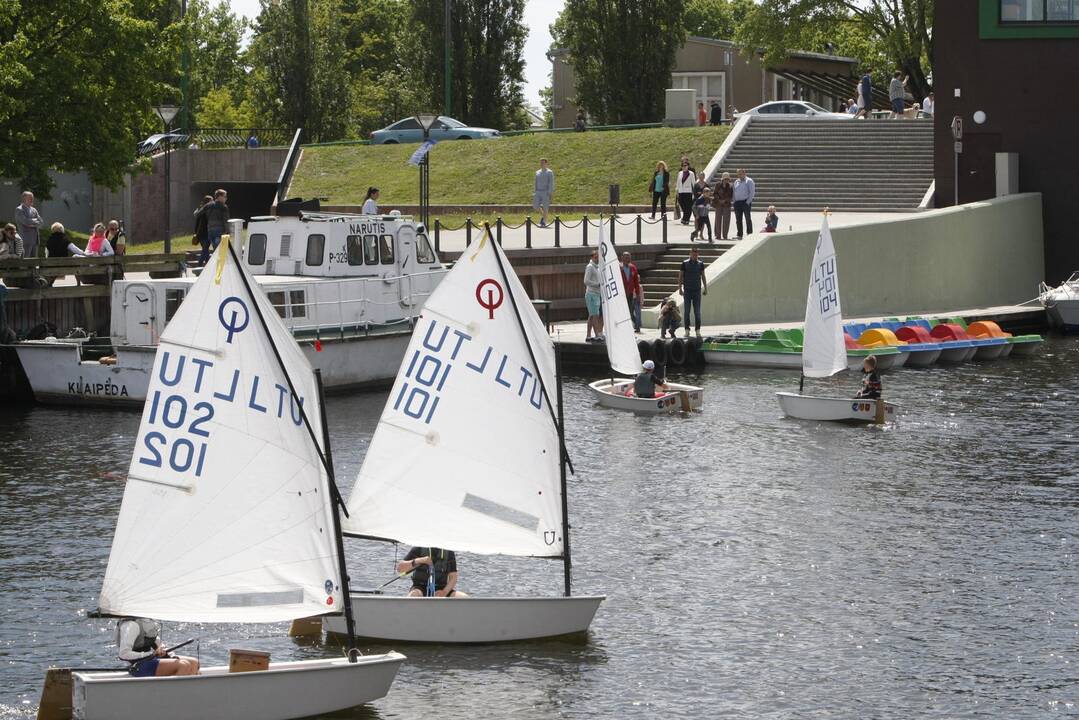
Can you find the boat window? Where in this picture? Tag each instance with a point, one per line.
(277, 299)
(316, 249)
(298, 301)
(385, 248)
(256, 249)
(173, 298)
(354, 244)
(424, 254)
(370, 249)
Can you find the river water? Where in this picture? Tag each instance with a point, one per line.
(753, 566)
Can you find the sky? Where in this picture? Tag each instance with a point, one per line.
(539, 14)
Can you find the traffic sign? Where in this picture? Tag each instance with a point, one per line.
(958, 147)
(957, 128)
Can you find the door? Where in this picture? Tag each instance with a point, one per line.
(140, 314)
(977, 166)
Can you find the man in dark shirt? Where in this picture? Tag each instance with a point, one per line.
(691, 283)
(420, 561)
(646, 383)
(716, 115)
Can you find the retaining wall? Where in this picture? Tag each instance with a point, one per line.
(982, 254)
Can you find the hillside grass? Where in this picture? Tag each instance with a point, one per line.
(500, 171)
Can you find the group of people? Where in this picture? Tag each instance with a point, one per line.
(211, 222)
(897, 93)
(712, 116)
(697, 200)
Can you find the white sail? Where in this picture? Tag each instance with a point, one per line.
(466, 454)
(226, 515)
(617, 323)
(824, 352)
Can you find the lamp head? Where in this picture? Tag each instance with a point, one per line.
(167, 112)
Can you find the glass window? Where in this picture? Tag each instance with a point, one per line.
(354, 244)
(256, 249)
(277, 299)
(794, 109)
(316, 249)
(1062, 10)
(370, 249)
(450, 122)
(1036, 11)
(385, 249)
(298, 300)
(406, 124)
(424, 253)
(173, 298)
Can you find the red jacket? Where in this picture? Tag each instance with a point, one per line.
(633, 285)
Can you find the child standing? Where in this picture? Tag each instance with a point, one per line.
(771, 220)
(702, 211)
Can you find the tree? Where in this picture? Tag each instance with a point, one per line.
(78, 79)
(215, 37)
(219, 109)
(900, 31)
(487, 38)
(623, 53)
(716, 19)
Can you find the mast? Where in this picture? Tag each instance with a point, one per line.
(350, 622)
(566, 564)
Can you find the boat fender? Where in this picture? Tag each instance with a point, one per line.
(644, 349)
(694, 356)
(676, 352)
(659, 351)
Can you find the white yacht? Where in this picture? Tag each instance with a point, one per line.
(1061, 303)
(348, 287)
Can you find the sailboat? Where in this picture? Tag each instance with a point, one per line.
(469, 456)
(824, 351)
(230, 514)
(622, 351)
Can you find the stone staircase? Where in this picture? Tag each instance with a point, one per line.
(852, 165)
(662, 280)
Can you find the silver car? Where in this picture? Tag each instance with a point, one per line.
(445, 128)
(791, 109)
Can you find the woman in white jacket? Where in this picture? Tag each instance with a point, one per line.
(683, 182)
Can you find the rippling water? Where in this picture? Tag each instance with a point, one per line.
(754, 566)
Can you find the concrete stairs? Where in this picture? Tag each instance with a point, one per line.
(662, 280)
(851, 165)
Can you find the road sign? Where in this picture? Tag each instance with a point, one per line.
(957, 128)
(958, 146)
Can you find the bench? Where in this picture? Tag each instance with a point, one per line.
(36, 274)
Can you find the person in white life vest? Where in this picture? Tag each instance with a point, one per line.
(139, 643)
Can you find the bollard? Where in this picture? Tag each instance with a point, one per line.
(664, 228)
(528, 231)
(584, 231)
(613, 223)
(498, 230)
(468, 231)
(438, 245)
(557, 232)
(639, 229)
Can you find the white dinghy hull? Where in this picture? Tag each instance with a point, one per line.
(832, 409)
(466, 620)
(610, 394)
(287, 690)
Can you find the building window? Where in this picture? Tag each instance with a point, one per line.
(316, 249)
(256, 249)
(173, 298)
(710, 87)
(1039, 11)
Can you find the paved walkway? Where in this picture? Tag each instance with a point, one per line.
(572, 233)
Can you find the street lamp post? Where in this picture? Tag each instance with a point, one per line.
(426, 121)
(167, 113)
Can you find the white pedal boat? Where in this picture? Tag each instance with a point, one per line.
(287, 690)
(612, 393)
(466, 620)
(833, 409)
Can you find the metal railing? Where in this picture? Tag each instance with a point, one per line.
(637, 223)
(217, 138)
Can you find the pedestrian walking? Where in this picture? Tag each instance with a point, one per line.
(370, 201)
(702, 214)
(543, 189)
(744, 192)
(217, 221)
(631, 279)
(897, 91)
(27, 223)
(702, 115)
(691, 284)
(722, 199)
(684, 187)
(865, 95)
(715, 117)
(660, 187)
(579, 123)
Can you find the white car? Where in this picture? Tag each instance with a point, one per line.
(789, 109)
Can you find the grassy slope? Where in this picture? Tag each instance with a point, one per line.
(501, 171)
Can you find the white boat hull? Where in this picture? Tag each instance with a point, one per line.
(990, 352)
(954, 355)
(885, 361)
(610, 394)
(1063, 314)
(287, 690)
(58, 376)
(922, 358)
(466, 620)
(792, 360)
(832, 409)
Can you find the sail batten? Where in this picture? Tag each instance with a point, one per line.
(466, 453)
(824, 352)
(227, 513)
(617, 324)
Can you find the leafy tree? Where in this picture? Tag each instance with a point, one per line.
(215, 38)
(78, 79)
(716, 19)
(487, 38)
(901, 32)
(219, 109)
(623, 52)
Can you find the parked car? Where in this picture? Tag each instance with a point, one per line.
(790, 109)
(445, 128)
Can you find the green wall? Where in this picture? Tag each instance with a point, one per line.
(972, 256)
